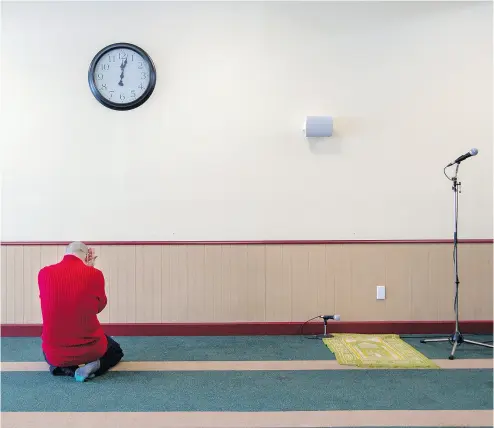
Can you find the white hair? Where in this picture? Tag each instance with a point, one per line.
(78, 249)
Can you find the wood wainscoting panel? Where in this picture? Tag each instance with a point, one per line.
(258, 282)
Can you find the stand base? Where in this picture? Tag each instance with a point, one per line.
(456, 340)
(323, 336)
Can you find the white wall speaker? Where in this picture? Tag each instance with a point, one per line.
(318, 126)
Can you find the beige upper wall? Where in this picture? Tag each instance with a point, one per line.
(217, 153)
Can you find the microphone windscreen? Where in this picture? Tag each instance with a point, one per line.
(474, 152)
(336, 317)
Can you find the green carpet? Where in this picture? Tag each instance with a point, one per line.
(227, 348)
(251, 391)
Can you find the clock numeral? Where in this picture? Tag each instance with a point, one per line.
(132, 57)
(133, 93)
(141, 86)
(100, 76)
(122, 97)
(105, 67)
(143, 75)
(122, 55)
(111, 94)
(103, 86)
(111, 58)
(141, 65)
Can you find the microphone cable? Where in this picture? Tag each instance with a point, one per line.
(306, 322)
(455, 304)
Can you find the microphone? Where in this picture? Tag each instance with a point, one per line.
(472, 152)
(330, 317)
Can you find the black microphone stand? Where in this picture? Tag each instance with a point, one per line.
(456, 339)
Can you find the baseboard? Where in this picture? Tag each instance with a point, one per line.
(268, 328)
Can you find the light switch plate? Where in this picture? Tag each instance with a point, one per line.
(381, 292)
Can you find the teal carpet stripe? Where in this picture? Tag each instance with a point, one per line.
(250, 391)
(201, 348)
(230, 348)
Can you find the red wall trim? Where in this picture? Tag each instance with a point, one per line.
(273, 242)
(269, 328)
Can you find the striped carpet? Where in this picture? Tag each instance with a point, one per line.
(257, 381)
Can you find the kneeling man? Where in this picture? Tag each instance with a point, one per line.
(72, 293)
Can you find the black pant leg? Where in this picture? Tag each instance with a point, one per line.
(61, 371)
(112, 356)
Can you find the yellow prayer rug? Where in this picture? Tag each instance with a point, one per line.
(383, 351)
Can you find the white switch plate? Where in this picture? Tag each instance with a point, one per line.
(381, 292)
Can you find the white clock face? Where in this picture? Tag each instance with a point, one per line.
(122, 76)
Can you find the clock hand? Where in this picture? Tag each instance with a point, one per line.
(122, 67)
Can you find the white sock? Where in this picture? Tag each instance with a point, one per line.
(87, 371)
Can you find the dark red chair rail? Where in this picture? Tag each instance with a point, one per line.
(269, 328)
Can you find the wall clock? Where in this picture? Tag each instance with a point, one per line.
(122, 76)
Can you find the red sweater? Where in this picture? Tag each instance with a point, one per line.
(72, 294)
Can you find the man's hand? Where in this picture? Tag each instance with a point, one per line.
(91, 258)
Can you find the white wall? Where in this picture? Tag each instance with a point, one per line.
(217, 153)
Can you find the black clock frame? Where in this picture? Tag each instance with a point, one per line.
(127, 106)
